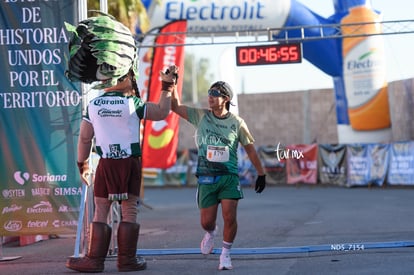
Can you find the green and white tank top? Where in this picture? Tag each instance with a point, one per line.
(116, 123)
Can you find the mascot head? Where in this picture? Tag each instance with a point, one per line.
(101, 49)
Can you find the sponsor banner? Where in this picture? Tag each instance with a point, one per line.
(275, 168)
(367, 164)
(332, 164)
(222, 16)
(159, 146)
(379, 154)
(359, 165)
(401, 163)
(301, 163)
(145, 55)
(40, 112)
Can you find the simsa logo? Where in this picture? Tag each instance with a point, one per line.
(67, 191)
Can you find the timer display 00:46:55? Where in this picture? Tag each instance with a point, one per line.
(269, 54)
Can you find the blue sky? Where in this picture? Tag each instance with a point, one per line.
(304, 76)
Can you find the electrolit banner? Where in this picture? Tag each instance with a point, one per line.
(356, 64)
(221, 16)
(364, 75)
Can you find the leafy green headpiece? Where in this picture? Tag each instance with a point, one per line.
(100, 49)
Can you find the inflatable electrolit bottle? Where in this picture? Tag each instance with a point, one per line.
(364, 71)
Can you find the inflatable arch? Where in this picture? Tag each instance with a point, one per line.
(356, 64)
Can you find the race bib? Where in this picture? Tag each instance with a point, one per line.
(218, 153)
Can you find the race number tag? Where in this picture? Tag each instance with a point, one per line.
(218, 153)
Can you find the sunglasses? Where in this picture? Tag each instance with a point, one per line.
(215, 93)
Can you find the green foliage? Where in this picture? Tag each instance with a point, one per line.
(203, 78)
(128, 12)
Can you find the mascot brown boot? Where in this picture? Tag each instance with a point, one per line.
(127, 248)
(93, 261)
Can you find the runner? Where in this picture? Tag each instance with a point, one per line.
(218, 133)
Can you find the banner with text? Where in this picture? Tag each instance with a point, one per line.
(273, 163)
(379, 154)
(359, 164)
(301, 163)
(40, 112)
(401, 168)
(160, 141)
(367, 164)
(332, 164)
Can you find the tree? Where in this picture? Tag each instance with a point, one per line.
(128, 12)
(131, 13)
(203, 78)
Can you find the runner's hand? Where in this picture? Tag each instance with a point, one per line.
(260, 184)
(170, 74)
(84, 171)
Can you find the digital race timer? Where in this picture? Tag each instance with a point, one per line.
(269, 54)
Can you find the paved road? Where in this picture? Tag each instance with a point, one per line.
(295, 230)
